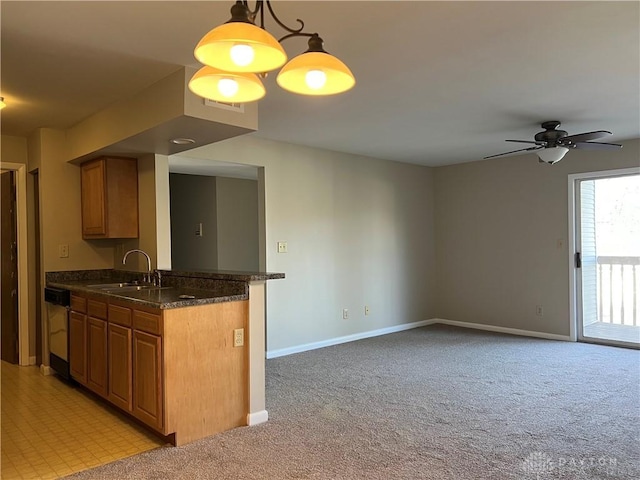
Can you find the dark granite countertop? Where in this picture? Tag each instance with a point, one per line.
(225, 275)
(156, 297)
(205, 287)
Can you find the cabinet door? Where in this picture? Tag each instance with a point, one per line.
(78, 347)
(97, 355)
(120, 366)
(94, 219)
(147, 379)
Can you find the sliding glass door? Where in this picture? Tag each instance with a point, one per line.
(607, 259)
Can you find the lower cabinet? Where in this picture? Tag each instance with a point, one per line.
(78, 346)
(176, 370)
(97, 355)
(147, 378)
(119, 367)
(116, 351)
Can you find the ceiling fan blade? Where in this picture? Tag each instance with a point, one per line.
(527, 141)
(584, 137)
(538, 147)
(597, 146)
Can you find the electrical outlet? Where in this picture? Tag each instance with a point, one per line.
(63, 251)
(238, 337)
(282, 247)
(367, 310)
(539, 311)
(345, 314)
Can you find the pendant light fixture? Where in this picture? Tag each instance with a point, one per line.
(315, 72)
(2, 104)
(229, 87)
(233, 53)
(240, 46)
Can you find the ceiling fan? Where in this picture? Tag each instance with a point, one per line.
(551, 145)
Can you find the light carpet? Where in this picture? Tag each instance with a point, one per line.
(431, 403)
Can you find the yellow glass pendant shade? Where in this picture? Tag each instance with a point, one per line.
(230, 87)
(2, 104)
(256, 50)
(316, 73)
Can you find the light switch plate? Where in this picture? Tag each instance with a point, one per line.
(63, 251)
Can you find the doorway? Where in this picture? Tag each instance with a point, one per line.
(9, 256)
(606, 260)
(20, 211)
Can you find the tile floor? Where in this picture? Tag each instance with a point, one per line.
(49, 429)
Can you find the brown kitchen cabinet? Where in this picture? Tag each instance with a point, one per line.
(147, 379)
(97, 355)
(109, 197)
(120, 357)
(176, 370)
(78, 346)
(148, 383)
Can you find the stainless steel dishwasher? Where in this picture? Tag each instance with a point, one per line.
(58, 303)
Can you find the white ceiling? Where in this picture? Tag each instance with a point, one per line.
(437, 82)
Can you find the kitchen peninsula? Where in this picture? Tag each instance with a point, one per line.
(186, 357)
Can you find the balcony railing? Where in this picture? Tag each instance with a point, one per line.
(618, 290)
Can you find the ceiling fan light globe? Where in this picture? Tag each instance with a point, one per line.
(552, 155)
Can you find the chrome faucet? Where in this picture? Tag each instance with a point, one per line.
(147, 277)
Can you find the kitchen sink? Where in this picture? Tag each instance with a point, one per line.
(126, 288)
(120, 286)
(133, 289)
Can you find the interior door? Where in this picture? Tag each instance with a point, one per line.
(607, 259)
(9, 261)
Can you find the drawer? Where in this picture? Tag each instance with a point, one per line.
(78, 304)
(147, 322)
(97, 309)
(120, 315)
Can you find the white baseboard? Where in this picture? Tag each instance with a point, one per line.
(347, 338)
(257, 418)
(407, 326)
(46, 370)
(494, 328)
(32, 360)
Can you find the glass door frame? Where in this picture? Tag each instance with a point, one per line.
(575, 245)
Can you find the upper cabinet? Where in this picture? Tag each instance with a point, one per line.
(110, 198)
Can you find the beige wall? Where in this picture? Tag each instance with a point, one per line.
(359, 232)
(193, 201)
(237, 224)
(60, 210)
(147, 227)
(498, 226)
(13, 149)
(228, 211)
